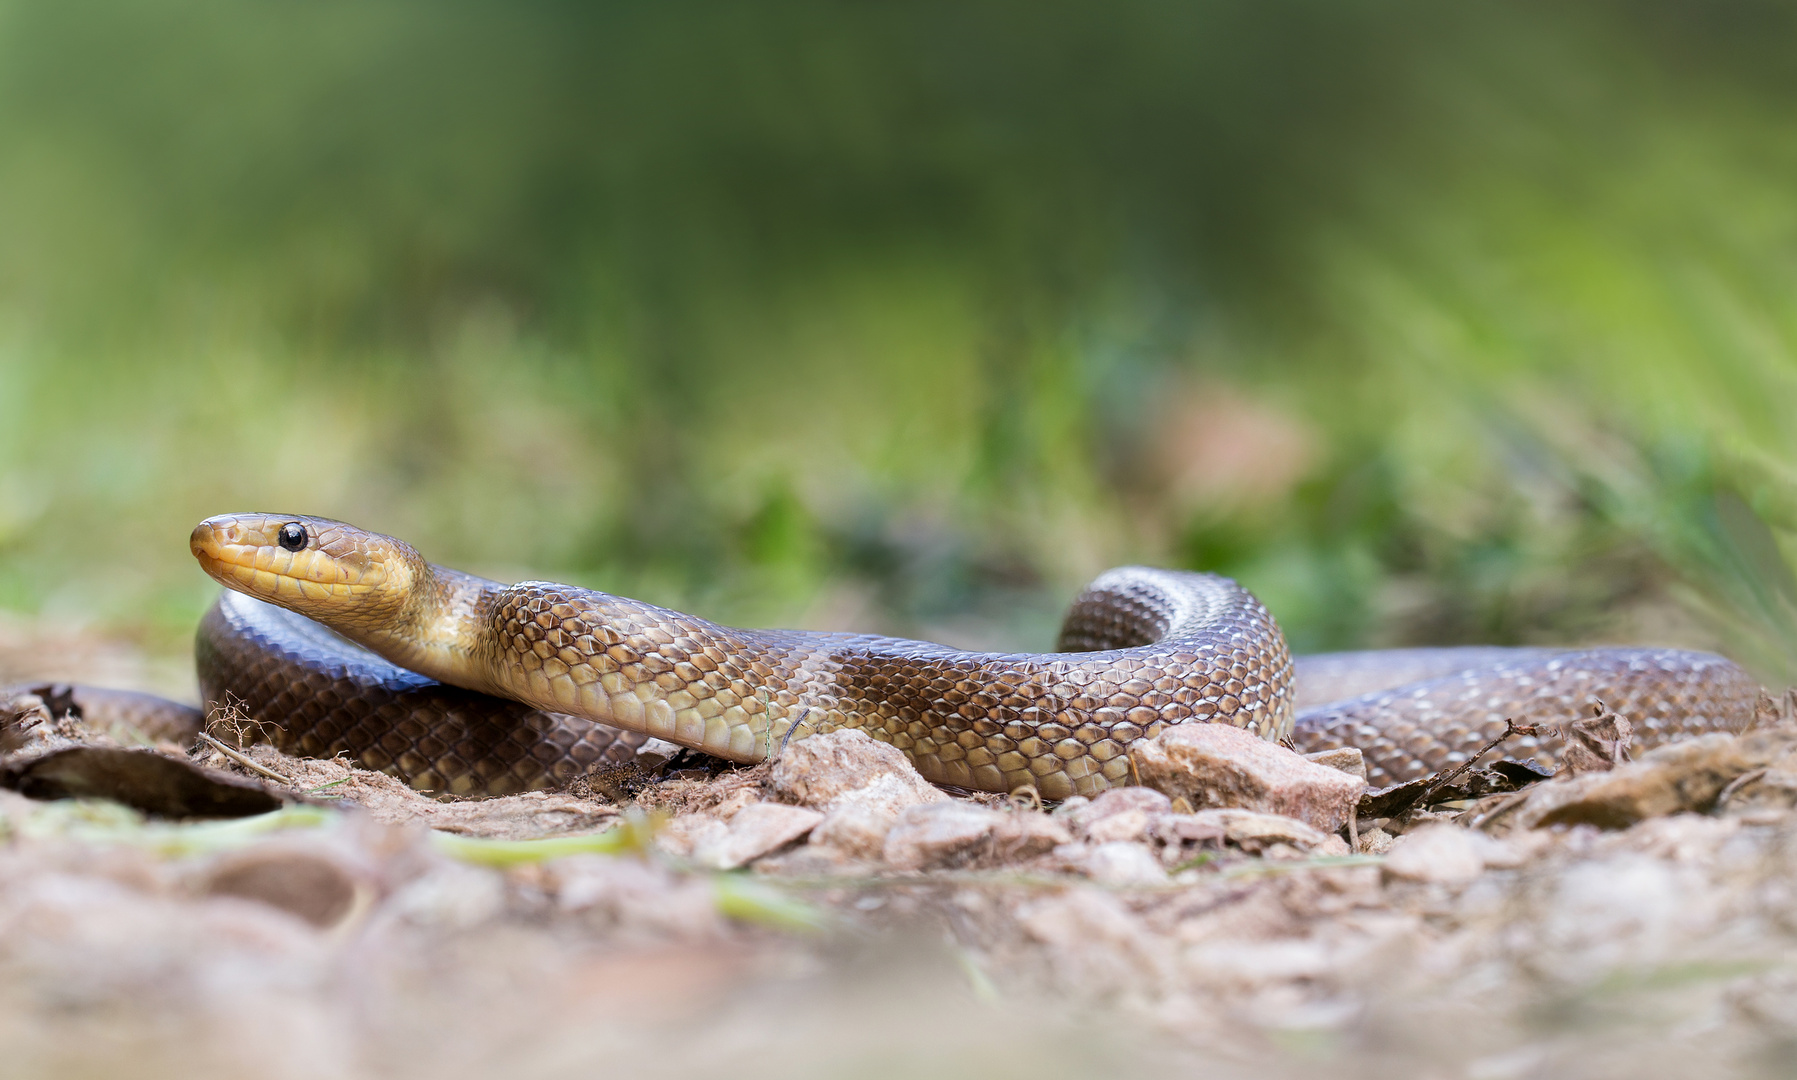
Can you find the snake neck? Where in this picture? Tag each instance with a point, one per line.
(437, 632)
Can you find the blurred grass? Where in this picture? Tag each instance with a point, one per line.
(1430, 324)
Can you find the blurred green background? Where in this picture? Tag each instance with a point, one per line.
(1431, 323)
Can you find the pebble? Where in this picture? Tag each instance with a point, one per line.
(1217, 765)
(654, 753)
(929, 836)
(1439, 854)
(1129, 825)
(1682, 776)
(1122, 800)
(825, 770)
(754, 831)
(1117, 814)
(688, 832)
(1375, 841)
(958, 833)
(854, 829)
(1122, 862)
(1348, 759)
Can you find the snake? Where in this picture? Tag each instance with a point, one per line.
(333, 640)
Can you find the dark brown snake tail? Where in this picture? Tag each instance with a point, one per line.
(1414, 729)
(129, 714)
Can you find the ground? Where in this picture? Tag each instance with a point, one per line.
(764, 922)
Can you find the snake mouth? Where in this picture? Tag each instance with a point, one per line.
(288, 559)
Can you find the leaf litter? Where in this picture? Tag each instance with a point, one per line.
(1636, 913)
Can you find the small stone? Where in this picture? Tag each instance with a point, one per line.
(1119, 814)
(1682, 776)
(1123, 800)
(1189, 828)
(1027, 834)
(959, 834)
(1375, 841)
(654, 753)
(1121, 862)
(754, 831)
(1129, 825)
(688, 832)
(1441, 854)
(855, 829)
(823, 770)
(938, 835)
(1249, 828)
(1217, 765)
(1346, 758)
(727, 807)
(1334, 844)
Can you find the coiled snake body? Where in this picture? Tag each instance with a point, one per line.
(468, 686)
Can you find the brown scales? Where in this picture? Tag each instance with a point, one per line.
(1144, 649)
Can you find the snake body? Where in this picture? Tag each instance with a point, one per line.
(319, 695)
(473, 687)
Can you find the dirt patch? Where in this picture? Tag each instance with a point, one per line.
(369, 930)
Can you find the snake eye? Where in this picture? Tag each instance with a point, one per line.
(293, 536)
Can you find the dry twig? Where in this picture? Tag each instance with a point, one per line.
(243, 760)
(1511, 730)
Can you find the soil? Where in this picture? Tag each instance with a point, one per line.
(367, 930)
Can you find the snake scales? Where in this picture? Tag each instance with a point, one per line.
(483, 688)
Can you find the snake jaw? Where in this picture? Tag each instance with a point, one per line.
(341, 574)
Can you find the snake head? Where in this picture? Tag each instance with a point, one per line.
(336, 573)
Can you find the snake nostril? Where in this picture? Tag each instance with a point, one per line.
(292, 536)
